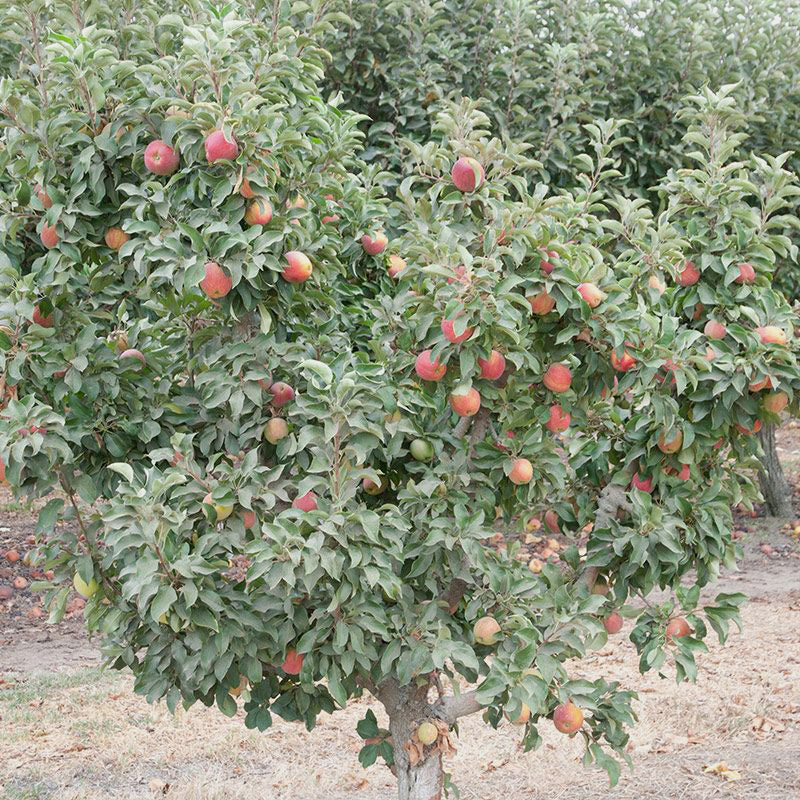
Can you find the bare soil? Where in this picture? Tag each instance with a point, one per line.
(70, 730)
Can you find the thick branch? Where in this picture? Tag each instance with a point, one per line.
(611, 500)
(450, 708)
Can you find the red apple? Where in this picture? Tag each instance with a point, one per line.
(219, 148)
(465, 402)
(746, 274)
(559, 420)
(613, 622)
(308, 502)
(448, 329)
(132, 353)
(396, 266)
(642, 484)
(493, 367)
(429, 370)
(216, 283)
(293, 662)
(677, 628)
(40, 319)
(623, 364)
(542, 303)
(775, 402)
(48, 236)
(558, 378)
(115, 238)
(299, 269)
(44, 198)
(467, 174)
(249, 519)
(689, 275)
(259, 212)
(568, 718)
(374, 246)
(591, 294)
(281, 393)
(552, 522)
(521, 471)
(715, 330)
(160, 158)
(771, 334)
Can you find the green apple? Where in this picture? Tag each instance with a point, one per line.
(421, 450)
(82, 588)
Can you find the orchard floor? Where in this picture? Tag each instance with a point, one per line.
(70, 731)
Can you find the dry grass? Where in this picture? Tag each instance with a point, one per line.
(83, 736)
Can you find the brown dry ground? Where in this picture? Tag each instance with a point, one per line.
(70, 731)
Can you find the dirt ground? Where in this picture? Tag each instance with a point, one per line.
(71, 731)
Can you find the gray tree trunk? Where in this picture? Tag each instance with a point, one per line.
(776, 491)
(407, 706)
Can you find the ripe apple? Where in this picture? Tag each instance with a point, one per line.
(374, 246)
(521, 471)
(467, 174)
(558, 378)
(542, 303)
(493, 367)
(429, 370)
(613, 622)
(567, 718)
(559, 420)
(44, 198)
(449, 332)
(764, 383)
(771, 334)
(329, 219)
(683, 475)
(746, 431)
(689, 275)
(624, 364)
(396, 266)
(535, 565)
(12, 556)
(275, 430)
(293, 662)
(41, 320)
(298, 202)
(547, 266)
(306, 502)
(746, 274)
(715, 330)
(281, 393)
(249, 519)
(259, 212)
(642, 484)
(132, 353)
(115, 238)
(216, 283)
(465, 402)
(551, 521)
(427, 733)
(524, 715)
(49, 236)
(222, 511)
(485, 630)
(299, 269)
(421, 450)
(591, 294)
(671, 446)
(775, 402)
(677, 628)
(654, 282)
(85, 590)
(160, 158)
(219, 148)
(246, 190)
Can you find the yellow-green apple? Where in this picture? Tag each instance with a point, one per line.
(448, 329)
(219, 148)
(689, 275)
(485, 630)
(372, 488)
(521, 471)
(275, 430)
(654, 282)
(374, 245)
(524, 715)
(559, 420)
(715, 330)
(568, 718)
(160, 158)
(542, 303)
(115, 238)
(216, 283)
(259, 212)
(299, 267)
(84, 589)
(591, 295)
(467, 174)
(306, 502)
(220, 509)
(558, 378)
(421, 450)
(427, 733)
(49, 236)
(493, 367)
(465, 402)
(429, 370)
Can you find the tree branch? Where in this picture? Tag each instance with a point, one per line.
(450, 708)
(612, 499)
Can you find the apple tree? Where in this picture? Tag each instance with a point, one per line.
(286, 419)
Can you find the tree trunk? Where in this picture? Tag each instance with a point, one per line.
(774, 487)
(407, 706)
